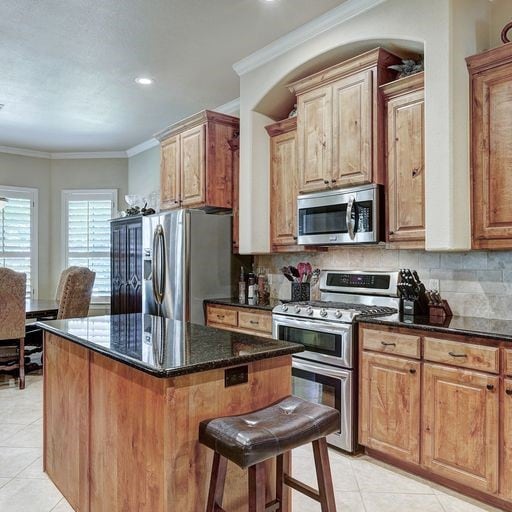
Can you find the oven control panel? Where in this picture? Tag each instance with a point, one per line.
(373, 283)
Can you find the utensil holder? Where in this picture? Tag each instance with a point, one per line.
(300, 292)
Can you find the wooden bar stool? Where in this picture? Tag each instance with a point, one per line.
(250, 439)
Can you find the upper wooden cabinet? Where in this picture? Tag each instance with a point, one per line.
(405, 160)
(197, 162)
(283, 183)
(491, 148)
(339, 126)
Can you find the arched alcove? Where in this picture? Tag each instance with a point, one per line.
(278, 101)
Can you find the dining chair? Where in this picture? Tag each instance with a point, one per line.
(12, 317)
(74, 292)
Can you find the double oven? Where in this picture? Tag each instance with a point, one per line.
(324, 372)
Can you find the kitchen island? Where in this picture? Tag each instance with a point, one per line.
(123, 398)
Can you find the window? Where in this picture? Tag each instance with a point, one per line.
(18, 233)
(86, 216)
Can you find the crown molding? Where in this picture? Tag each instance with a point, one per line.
(326, 21)
(24, 152)
(88, 154)
(143, 146)
(229, 108)
(62, 156)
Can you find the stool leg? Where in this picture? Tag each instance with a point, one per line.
(282, 467)
(218, 478)
(257, 488)
(323, 475)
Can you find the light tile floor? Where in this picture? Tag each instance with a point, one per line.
(361, 483)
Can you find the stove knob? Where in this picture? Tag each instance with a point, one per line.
(297, 309)
(323, 313)
(309, 310)
(338, 314)
(284, 307)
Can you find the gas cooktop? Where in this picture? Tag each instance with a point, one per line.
(331, 310)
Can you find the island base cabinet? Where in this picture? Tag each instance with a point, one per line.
(460, 426)
(118, 440)
(66, 413)
(390, 405)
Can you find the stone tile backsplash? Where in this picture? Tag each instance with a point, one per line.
(476, 283)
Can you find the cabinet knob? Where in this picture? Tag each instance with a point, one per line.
(295, 238)
(415, 172)
(391, 232)
(333, 180)
(490, 387)
(508, 391)
(326, 182)
(412, 370)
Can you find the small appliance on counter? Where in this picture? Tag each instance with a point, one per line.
(344, 216)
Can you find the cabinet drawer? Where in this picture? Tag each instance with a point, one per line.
(255, 321)
(222, 316)
(465, 355)
(508, 362)
(391, 343)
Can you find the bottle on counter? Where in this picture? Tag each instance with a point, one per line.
(251, 289)
(242, 289)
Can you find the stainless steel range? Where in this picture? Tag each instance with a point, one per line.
(325, 371)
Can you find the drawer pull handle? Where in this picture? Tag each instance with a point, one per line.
(453, 354)
(508, 391)
(385, 344)
(254, 322)
(220, 317)
(412, 370)
(490, 387)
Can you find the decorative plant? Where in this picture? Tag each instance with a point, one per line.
(408, 67)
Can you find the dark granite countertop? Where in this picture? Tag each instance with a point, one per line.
(166, 348)
(466, 325)
(234, 302)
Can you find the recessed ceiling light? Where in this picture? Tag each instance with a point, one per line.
(142, 80)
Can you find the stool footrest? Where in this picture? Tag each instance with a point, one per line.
(273, 506)
(302, 487)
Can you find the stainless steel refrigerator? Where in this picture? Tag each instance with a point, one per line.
(187, 258)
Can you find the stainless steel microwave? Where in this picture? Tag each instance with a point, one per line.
(344, 216)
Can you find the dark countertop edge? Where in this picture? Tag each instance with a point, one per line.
(235, 303)
(196, 368)
(436, 328)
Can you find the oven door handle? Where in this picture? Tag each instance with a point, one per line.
(350, 223)
(322, 370)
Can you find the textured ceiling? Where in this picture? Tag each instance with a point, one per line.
(68, 68)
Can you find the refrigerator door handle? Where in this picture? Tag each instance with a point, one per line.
(158, 265)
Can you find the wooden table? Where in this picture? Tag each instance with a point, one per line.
(41, 308)
(123, 398)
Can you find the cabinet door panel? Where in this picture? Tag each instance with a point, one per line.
(283, 192)
(170, 173)
(390, 405)
(352, 129)
(314, 132)
(460, 426)
(506, 473)
(492, 156)
(193, 166)
(118, 268)
(405, 167)
(134, 268)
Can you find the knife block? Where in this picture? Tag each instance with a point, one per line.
(438, 313)
(300, 292)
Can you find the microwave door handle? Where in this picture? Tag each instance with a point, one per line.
(350, 223)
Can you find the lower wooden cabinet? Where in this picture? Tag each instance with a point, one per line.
(506, 471)
(460, 425)
(442, 410)
(240, 319)
(390, 405)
